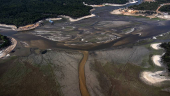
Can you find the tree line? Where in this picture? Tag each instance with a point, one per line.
(6, 41)
(149, 5)
(166, 56)
(23, 12)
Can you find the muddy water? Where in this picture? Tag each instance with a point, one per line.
(82, 80)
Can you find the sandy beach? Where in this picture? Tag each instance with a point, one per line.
(153, 77)
(78, 19)
(157, 60)
(54, 19)
(109, 4)
(156, 46)
(13, 27)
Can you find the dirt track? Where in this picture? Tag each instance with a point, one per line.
(82, 79)
(157, 10)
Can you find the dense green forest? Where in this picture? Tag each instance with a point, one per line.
(149, 5)
(165, 8)
(23, 12)
(6, 41)
(166, 56)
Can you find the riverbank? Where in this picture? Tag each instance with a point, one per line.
(22, 28)
(110, 4)
(78, 19)
(144, 13)
(37, 24)
(7, 50)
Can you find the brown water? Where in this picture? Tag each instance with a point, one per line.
(82, 79)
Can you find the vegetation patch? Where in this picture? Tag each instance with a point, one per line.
(165, 8)
(166, 56)
(149, 5)
(23, 12)
(5, 41)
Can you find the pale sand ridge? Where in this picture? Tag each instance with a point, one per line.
(156, 46)
(157, 60)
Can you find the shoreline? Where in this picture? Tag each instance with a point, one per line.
(35, 25)
(110, 4)
(7, 50)
(78, 19)
(130, 12)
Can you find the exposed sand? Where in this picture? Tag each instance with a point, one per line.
(53, 19)
(110, 4)
(78, 19)
(6, 51)
(157, 60)
(22, 28)
(153, 77)
(13, 27)
(156, 46)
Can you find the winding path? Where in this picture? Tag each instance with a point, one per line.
(82, 79)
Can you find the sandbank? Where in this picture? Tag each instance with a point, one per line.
(156, 46)
(78, 19)
(153, 77)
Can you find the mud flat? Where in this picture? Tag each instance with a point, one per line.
(9, 48)
(64, 64)
(78, 19)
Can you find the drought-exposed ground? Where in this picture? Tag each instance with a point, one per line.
(108, 72)
(38, 71)
(39, 66)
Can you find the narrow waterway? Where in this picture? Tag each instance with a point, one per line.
(82, 79)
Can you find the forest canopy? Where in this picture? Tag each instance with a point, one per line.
(6, 41)
(23, 12)
(166, 56)
(165, 8)
(149, 5)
